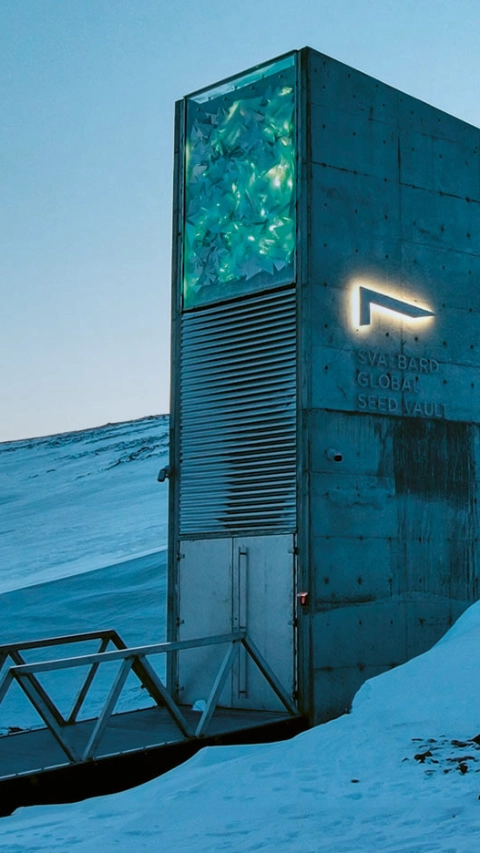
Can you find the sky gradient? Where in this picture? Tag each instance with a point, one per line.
(87, 89)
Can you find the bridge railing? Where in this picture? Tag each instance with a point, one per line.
(134, 660)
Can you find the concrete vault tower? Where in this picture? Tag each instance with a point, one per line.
(325, 378)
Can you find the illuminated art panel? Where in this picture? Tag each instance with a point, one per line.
(239, 228)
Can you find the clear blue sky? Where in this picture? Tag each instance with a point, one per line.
(87, 92)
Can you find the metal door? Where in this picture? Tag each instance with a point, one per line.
(230, 584)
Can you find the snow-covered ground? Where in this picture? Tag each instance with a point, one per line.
(80, 501)
(400, 774)
(83, 547)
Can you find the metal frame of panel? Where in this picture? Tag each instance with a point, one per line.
(178, 321)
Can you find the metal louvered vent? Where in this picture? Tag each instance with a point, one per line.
(237, 416)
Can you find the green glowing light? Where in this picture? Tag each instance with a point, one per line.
(239, 230)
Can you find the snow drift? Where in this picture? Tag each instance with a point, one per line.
(399, 774)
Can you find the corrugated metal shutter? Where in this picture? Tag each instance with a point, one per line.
(237, 416)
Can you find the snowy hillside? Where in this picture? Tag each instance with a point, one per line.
(400, 774)
(80, 501)
(83, 545)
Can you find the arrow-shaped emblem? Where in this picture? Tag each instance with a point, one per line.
(372, 297)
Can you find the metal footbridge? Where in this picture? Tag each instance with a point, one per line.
(70, 756)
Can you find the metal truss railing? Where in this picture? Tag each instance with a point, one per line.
(133, 660)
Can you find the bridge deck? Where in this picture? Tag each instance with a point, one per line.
(72, 758)
(136, 746)
(37, 750)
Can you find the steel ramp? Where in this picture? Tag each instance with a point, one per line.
(69, 758)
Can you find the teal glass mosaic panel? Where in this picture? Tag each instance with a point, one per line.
(240, 164)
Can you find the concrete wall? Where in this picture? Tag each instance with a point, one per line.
(388, 536)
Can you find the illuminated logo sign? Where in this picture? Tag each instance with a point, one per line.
(364, 298)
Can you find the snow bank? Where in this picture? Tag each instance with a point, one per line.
(397, 775)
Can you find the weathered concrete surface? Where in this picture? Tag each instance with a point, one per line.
(388, 536)
(388, 199)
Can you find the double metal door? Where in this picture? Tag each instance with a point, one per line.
(230, 584)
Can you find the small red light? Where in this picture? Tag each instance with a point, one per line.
(302, 598)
